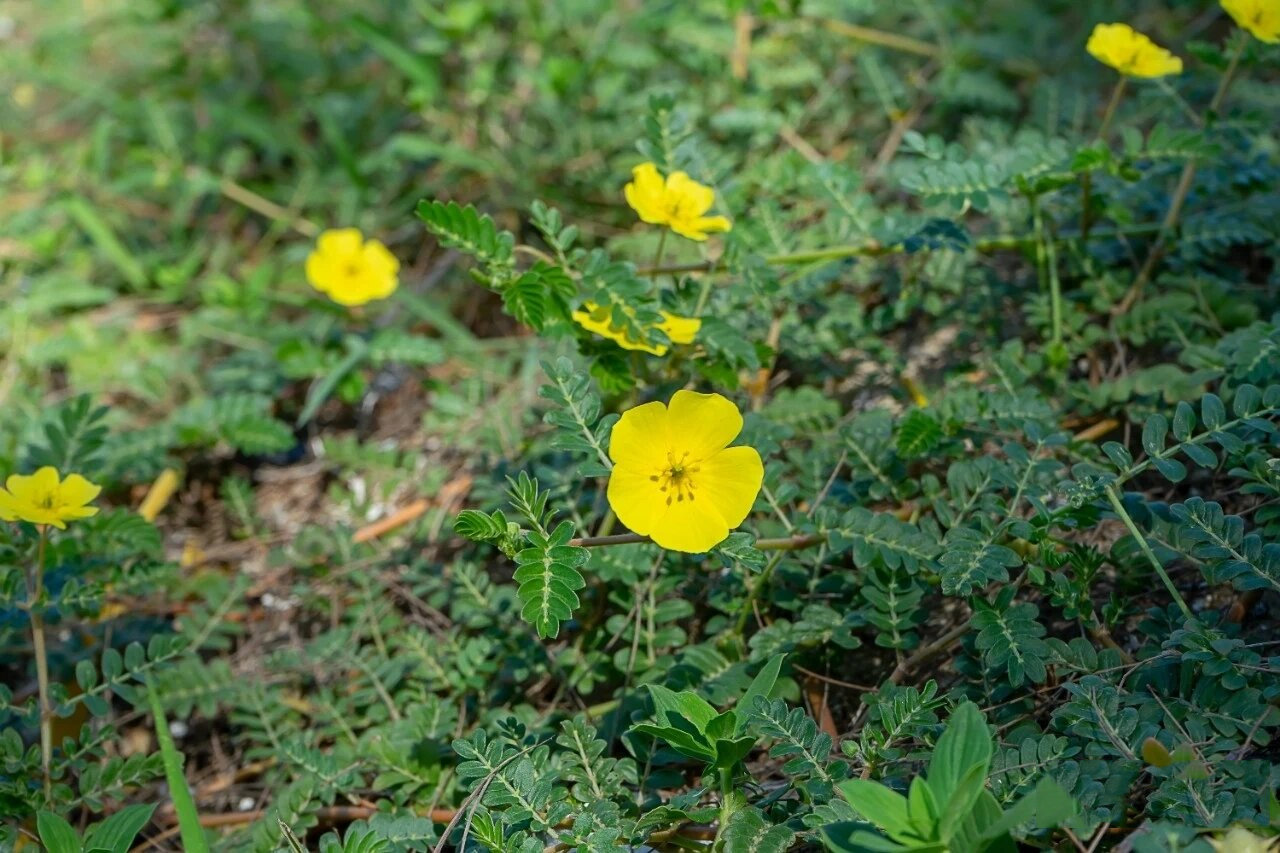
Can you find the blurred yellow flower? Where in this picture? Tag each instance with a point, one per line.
(1241, 840)
(675, 478)
(1259, 17)
(24, 95)
(350, 269)
(1130, 52)
(599, 319)
(45, 498)
(679, 202)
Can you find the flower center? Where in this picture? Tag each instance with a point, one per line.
(676, 479)
(352, 269)
(46, 501)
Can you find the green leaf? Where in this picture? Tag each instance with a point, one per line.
(465, 229)
(56, 834)
(877, 803)
(688, 743)
(760, 687)
(322, 390)
(922, 811)
(116, 833)
(966, 744)
(1047, 806)
(193, 839)
(100, 232)
(420, 70)
(730, 751)
(670, 705)
(918, 433)
(749, 832)
(956, 808)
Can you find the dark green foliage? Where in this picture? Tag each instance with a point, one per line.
(1020, 439)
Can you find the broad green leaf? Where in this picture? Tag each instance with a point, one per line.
(1047, 806)
(965, 744)
(761, 685)
(689, 744)
(923, 812)
(957, 807)
(686, 704)
(881, 805)
(116, 833)
(56, 834)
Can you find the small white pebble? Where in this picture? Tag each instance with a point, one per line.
(178, 729)
(275, 602)
(246, 804)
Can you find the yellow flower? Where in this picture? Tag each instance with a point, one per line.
(1241, 840)
(350, 269)
(675, 478)
(598, 319)
(679, 202)
(1130, 52)
(44, 498)
(1259, 17)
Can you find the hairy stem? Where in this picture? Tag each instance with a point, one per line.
(35, 590)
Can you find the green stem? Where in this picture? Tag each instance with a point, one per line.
(1158, 249)
(1116, 95)
(1119, 509)
(1086, 180)
(730, 800)
(753, 594)
(1055, 294)
(703, 295)
(662, 247)
(873, 248)
(35, 589)
(1046, 274)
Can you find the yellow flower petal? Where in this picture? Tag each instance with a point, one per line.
(693, 527)
(1261, 18)
(690, 198)
(40, 484)
(680, 330)
(712, 223)
(647, 194)
(339, 243)
(350, 270)
(640, 437)
(599, 320)
(679, 202)
(636, 498)
(77, 491)
(43, 498)
(702, 424)
(730, 480)
(1130, 52)
(382, 266)
(673, 479)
